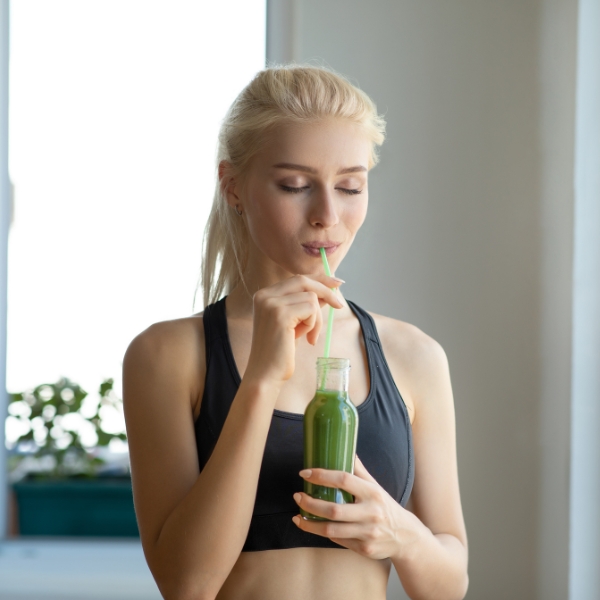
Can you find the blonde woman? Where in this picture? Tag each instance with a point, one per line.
(214, 401)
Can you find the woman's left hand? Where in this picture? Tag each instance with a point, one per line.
(375, 525)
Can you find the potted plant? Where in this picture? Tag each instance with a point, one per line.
(60, 476)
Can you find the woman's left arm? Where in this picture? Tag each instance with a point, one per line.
(428, 546)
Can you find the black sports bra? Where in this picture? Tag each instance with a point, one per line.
(384, 437)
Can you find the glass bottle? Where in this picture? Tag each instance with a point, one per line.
(330, 430)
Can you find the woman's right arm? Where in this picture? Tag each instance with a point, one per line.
(193, 525)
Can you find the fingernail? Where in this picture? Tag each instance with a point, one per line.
(337, 279)
(297, 498)
(306, 473)
(296, 520)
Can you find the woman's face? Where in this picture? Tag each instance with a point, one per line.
(305, 189)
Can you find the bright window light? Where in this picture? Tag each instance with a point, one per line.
(114, 112)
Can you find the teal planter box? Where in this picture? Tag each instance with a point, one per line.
(76, 507)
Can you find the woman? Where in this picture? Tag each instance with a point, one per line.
(213, 402)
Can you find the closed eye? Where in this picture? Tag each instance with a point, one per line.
(297, 190)
(293, 190)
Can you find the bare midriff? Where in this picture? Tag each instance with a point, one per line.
(306, 573)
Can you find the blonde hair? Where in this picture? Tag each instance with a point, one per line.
(277, 95)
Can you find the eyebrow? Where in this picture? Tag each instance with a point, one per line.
(294, 167)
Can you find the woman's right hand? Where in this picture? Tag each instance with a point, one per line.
(284, 312)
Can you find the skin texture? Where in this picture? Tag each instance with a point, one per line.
(193, 525)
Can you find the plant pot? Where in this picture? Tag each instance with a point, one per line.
(76, 507)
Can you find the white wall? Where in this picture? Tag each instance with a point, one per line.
(470, 228)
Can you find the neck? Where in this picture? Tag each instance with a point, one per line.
(259, 272)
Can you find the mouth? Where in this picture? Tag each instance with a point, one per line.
(313, 248)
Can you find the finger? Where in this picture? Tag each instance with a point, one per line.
(326, 291)
(361, 471)
(306, 325)
(320, 284)
(299, 298)
(359, 546)
(326, 280)
(311, 326)
(337, 479)
(303, 312)
(331, 511)
(331, 529)
(312, 337)
(300, 305)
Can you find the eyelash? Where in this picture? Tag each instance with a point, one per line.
(297, 190)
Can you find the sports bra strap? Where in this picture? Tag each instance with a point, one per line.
(366, 322)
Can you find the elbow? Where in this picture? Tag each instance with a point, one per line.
(181, 579)
(466, 586)
(175, 584)
(460, 585)
(195, 596)
(462, 588)
(171, 590)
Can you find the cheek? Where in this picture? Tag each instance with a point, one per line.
(355, 215)
(269, 222)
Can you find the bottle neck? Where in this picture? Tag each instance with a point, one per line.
(333, 373)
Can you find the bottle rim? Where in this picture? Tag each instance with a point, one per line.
(333, 363)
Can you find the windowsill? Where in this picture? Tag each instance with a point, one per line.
(74, 569)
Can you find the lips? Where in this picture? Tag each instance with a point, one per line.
(313, 248)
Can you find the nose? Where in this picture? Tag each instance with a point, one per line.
(323, 212)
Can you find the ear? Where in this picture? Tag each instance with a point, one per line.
(228, 183)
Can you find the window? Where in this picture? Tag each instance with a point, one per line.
(114, 113)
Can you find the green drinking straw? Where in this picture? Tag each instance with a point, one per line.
(330, 318)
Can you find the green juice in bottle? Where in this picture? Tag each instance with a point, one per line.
(330, 430)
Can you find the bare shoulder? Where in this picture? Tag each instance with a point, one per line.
(415, 359)
(175, 334)
(173, 349)
(162, 381)
(410, 343)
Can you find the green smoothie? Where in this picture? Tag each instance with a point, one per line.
(330, 430)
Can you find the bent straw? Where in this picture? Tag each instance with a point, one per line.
(330, 318)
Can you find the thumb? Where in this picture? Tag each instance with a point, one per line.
(361, 471)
